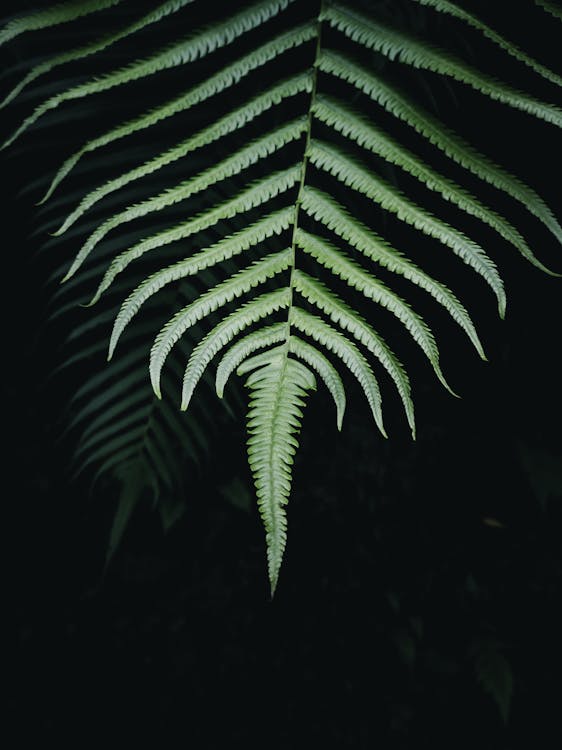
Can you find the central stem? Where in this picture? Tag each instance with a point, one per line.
(303, 167)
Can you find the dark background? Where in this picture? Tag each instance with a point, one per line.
(404, 559)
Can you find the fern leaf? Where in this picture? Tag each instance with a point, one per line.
(181, 53)
(342, 315)
(240, 351)
(351, 125)
(320, 207)
(262, 191)
(316, 328)
(238, 162)
(450, 143)
(406, 49)
(240, 283)
(110, 402)
(217, 83)
(46, 66)
(252, 312)
(224, 126)
(124, 424)
(443, 6)
(54, 16)
(258, 361)
(550, 8)
(219, 337)
(325, 370)
(223, 250)
(356, 177)
(278, 392)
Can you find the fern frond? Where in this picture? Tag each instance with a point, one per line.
(342, 347)
(406, 49)
(238, 162)
(215, 340)
(329, 303)
(186, 51)
(351, 125)
(237, 285)
(322, 208)
(224, 126)
(325, 370)
(122, 430)
(54, 16)
(446, 7)
(241, 350)
(259, 193)
(446, 141)
(225, 249)
(550, 8)
(125, 424)
(108, 393)
(358, 178)
(373, 289)
(167, 8)
(237, 213)
(277, 396)
(217, 83)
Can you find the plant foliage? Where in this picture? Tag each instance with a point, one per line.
(295, 159)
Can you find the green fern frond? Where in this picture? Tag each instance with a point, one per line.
(321, 207)
(325, 370)
(224, 126)
(216, 84)
(261, 192)
(372, 138)
(186, 51)
(238, 162)
(232, 359)
(277, 394)
(263, 240)
(443, 6)
(343, 315)
(342, 347)
(54, 16)
(219, 337)
(167, 8)
(550, 8)
(223, 250)
(436, 133)
(408, 50)
(239, 284)
(358, 178)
